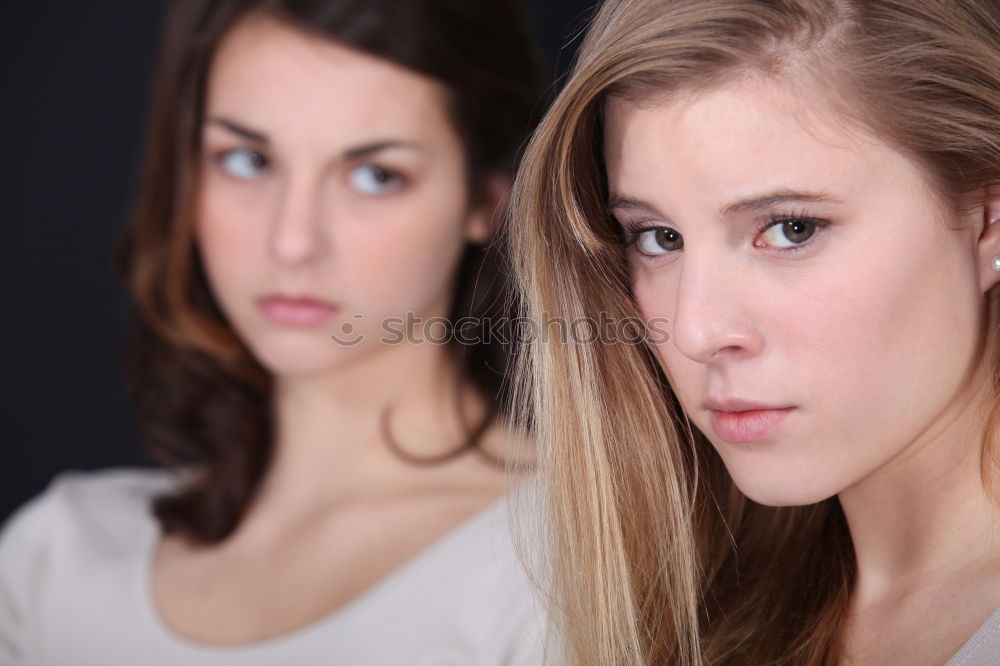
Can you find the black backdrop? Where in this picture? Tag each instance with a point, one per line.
(73, 94)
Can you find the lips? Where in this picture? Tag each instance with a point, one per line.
(736, 420)
(748, 426)
(735, 405)
(299, 311)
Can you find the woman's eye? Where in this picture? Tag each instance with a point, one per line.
(790, 233)
(371, 179)
(243, 163)
(658, 241)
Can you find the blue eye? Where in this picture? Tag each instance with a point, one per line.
(374, 180)
(243, 163)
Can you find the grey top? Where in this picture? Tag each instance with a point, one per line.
(983, 649)
(75, 589)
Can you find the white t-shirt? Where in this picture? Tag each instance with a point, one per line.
(75, 591)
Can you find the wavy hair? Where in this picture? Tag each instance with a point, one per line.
(202, 402)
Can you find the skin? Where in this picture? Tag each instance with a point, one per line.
(868, 332)
(294, 200)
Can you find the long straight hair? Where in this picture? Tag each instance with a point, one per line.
(644, 523)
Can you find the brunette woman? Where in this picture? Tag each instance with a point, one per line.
(321, 194)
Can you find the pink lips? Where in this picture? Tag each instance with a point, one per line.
(749, 425)
(295, 310)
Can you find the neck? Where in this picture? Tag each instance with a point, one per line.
(925, 514)
(329, 441)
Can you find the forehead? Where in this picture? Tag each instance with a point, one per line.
(741, 137)
(285, 80)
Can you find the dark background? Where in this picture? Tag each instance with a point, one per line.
(73, 92)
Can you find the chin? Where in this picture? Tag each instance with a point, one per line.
(782, 489)
(302, 358)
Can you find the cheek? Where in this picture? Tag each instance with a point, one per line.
(230, 240)
(832, 342)
(403, 261)
(655, 298)
(905, 339)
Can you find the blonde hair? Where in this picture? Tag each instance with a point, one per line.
(643, 521)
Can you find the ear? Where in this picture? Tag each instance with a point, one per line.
(486, 216)
(989, 240)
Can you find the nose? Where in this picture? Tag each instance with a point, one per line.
(297, 233)
(713, 318)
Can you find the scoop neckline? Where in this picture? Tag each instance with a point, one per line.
(979, 637)
(143, 588)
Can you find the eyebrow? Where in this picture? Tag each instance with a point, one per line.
(781, 196)
(619, 201)
(239, 130)
(355, 152)
(760, 202)
(378, 146)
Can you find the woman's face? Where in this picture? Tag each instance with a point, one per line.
(332, 196)
(812, 281)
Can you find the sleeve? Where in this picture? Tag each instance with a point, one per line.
(22, 559)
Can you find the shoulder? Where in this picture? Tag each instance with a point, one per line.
(91, 494)
(99, 506)
(83, 523)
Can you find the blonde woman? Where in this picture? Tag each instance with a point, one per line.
(799, 465)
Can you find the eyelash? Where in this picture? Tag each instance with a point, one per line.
(633, 230)
(218, 159)
(397, 179)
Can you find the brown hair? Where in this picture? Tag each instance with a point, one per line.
(200, 398)
(644, 521)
